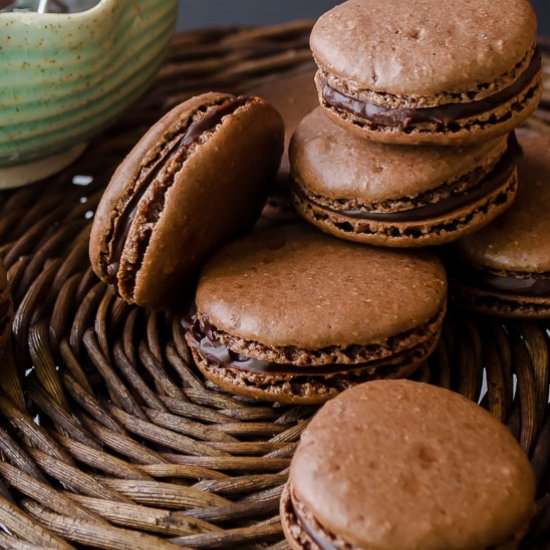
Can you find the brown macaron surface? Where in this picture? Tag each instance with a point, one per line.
(196, 179)
(404, 196)
(290, 314)
(447, 71)
(505, 268)
(400, 464)
(294, 95)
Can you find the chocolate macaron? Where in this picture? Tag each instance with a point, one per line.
(441, 71)
(196, 179)
(398, 196)
(396, 464)
(290, 314)
(505, 268)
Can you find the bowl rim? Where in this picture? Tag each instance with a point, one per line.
(31, 18)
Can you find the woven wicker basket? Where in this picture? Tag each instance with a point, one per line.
(109, 437)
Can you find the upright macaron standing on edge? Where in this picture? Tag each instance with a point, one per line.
(199, 177)
(419, 102)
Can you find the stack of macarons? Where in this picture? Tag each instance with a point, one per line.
(285, 313)
(414, 142)
(412, 146)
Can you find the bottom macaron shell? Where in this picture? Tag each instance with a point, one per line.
(304, 389)
(295, 535)
(436, 231)
(502, 305)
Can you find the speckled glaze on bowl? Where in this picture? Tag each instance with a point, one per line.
(65, 77)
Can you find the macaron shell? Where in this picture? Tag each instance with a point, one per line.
(122, 183)
(519, 241)
(294, 534)
(430, 232)
(218, 194)
(439, 46)
(398, 464)
(294, 95)
(335, 164)
(294, 286)
(474, 129)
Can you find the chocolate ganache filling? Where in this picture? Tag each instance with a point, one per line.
(523, 287)
(191, 136)
(500, 174)
(463, 272)
(202, 339)
(535, 287)
(322, 542)
(444, 114)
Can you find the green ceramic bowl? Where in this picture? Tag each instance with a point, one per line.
(65, 77)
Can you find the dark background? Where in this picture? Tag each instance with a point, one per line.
(203, 13)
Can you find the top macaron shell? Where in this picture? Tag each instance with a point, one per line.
(398, 464)
(299, 287)
(428, 48)
(216, 193)
(338, 165)
(519, 241)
